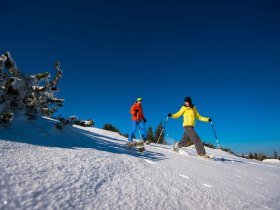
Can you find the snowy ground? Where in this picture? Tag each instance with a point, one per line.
(89, 168)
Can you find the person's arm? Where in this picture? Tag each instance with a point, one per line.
(133, 110)
(143, 117)
(178, 114)
(199, 117)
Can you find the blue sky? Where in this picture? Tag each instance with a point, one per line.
(224, 54)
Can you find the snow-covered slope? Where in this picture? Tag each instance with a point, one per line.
(89, 168)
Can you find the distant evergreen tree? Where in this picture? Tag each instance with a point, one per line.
(262, 157)
(158, 136)
(208, 145)
(275, 155)
(124, 134)
(150, 135)
(227, 150)
(110, 127)
(256, 156)
(251, 156)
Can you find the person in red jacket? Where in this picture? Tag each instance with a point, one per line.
(138, 120)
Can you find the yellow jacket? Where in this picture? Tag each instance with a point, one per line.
(189, 115)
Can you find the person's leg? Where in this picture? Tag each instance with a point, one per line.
(181, 143)
(184, 140)
(195, 139)
(143, 130)
(132, 133)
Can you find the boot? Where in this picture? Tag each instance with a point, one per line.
(176, 147)
(204, 156)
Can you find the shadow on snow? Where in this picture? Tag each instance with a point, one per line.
(42, 132)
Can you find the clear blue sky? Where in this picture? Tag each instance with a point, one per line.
(224, 54)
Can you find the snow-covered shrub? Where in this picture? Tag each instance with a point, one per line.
(34, 95)
(73, 120)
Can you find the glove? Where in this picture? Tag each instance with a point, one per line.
(169, 115)
(145, 120)
(136, 111)
(210, 119)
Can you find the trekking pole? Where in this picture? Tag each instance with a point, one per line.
(217, 141)
(163, 127)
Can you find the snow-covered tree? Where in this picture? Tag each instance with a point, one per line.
(73, 120)
(34, 95)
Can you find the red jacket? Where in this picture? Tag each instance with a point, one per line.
(137, 115)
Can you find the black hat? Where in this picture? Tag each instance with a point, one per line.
(188, 99)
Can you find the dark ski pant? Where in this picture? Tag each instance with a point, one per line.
(190, 134)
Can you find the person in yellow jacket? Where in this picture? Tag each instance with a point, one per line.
(190, 113)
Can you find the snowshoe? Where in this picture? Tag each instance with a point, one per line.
(175, 148)
(140, 149)
(138, 145)
(129, 144)
(147, 142)
(204, 156)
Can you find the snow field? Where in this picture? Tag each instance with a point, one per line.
(89, 168)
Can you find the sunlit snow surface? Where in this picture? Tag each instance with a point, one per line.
(89, 168)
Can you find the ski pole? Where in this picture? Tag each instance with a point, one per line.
(217, 141)
(163, 127)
